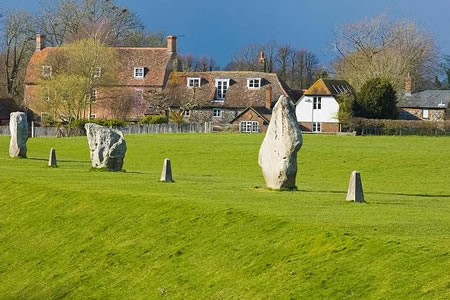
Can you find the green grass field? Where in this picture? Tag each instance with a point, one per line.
(217, 233)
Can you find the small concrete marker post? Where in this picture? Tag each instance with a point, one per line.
(52, 158)
(166, 175)
(355, 189)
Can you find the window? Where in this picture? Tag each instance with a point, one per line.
(217, 113)
(249, 126)
(139, 94)
(254, 83)
(46, 71)
(193, 82)
(317, 103)
(93, 116)
(425, 113)
(97, 72)
(44, 116)
(221, 88)
(139, 73)
(187, 113)
(93, 96)
(316, 127)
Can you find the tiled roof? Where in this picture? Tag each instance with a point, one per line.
(156, 61)
(238, 94)
(426, 99)
(262, 111)
(329, 87)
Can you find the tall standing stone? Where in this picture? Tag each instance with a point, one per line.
(278, 152)
(107, 147)
(166, 174)
(18, 127)
(355, 189)
(52, 158)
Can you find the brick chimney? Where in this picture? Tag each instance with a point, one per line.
(172, 44)
(40, 42)
(409, 85)
(268, 103)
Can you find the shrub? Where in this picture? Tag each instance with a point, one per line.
(377, 99)
(176, 117)
(160, 119)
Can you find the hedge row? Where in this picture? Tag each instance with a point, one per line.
(397, 127)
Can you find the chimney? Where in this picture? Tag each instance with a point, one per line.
(268, 103)
(262, 61)
(409, 85)
(172, 44)
(40, 42)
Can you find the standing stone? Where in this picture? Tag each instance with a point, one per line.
(18, 126)
(166, 174)
(278, 152)
(355, 189)
(52, 158)
(107, 147)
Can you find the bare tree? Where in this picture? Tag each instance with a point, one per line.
(377, 47)
(246, 59)
(17, 35)
(68, 20)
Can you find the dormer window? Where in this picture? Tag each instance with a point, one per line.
(139, 72)
(253, 83)
(222, 88)
(193, 82)
(97, 72)
(46, 71)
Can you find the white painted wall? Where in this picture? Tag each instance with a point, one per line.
(328, 112)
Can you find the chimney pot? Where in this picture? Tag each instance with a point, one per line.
(172, 44)
(40, 42)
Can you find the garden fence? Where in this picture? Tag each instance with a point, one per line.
(129, 129)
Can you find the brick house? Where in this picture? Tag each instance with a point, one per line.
(240, 98)
(140, 70)
(317, 110)
(429, 105)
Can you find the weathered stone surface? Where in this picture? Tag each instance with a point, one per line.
(18, 127)
(278, 152)
(52, 158)
(355, 189)
(166, 174)
(107, 147)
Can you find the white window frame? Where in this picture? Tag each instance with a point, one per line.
(253, 83)
(316, 127)
(93, 96)
(46, 71)
(425, 113)
(187, 113)
(98, 72)
(317, 102)
(217, 113)
(139, 72)
(249, 126)
(93, 116)
(221, 89)
(191, 82)
(44, 114)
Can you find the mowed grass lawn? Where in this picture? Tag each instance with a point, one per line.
(217, 233)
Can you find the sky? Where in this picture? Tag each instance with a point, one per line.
(220, 28)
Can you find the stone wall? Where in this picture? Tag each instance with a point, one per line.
(206, 115)
(417, 114)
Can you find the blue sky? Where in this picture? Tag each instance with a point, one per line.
(220, 28)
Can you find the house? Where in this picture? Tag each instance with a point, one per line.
(140, 70)
(429, 105)
(243, 99)
(317, 110)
